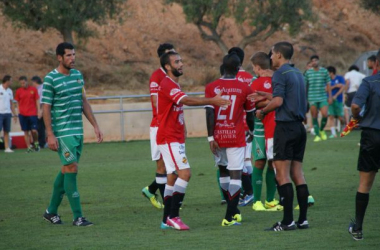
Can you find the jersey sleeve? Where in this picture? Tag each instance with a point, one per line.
(173, 92)
(209, 94)
(362, 94)
(278, 85)
(328, 79)
(47, 91)
(153, 84)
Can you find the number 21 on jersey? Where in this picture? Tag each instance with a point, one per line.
(223, 111)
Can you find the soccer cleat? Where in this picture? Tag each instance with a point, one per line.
(297, 207)
(323, 135)
(8, 150)
(303, 225)
(356, 234)
(82, 222)
(151, 197)
(36, 147)
(30, 149)
(164, 225)
(222, 202)
(176, 223)
(237, 217)
(278, 226)
(317, 139)
(226, 223)
(273, 206)
(333, 136)
(248, 199)
(258, 206)
(52, 218)
(310, 201)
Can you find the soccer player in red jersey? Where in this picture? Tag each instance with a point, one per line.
(245, 77)
(226, 133)
(29, 107)
(171, 136)
(160, 180)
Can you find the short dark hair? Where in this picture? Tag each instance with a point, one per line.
(36, 79)
(221, 69)
(22, 78)
(372, 58)
(314, 57)
(331, 69)
(163, 47)
(6, 78)
(239, 52)
(231, 63)
(60, 50)
(165, 58)
(285, 49)
(353, 67)
(261, 59)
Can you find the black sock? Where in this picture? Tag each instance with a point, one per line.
(302, 195)
(247, 184)
(161, 182)
(287, 196)
(176, 204)
(153, 187)
(232, 203)
(361, 206)
(167, 208)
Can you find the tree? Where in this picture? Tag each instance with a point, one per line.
(372, 5)
(265, 17)
(66, 16)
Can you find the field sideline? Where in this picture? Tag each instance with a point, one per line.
(112, 175)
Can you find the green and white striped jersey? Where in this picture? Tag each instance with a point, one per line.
(64, 94)
(316, 82)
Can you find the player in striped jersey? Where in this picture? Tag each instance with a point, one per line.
(64, 100)
(317, 81)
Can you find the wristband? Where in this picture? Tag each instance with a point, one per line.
(262, 112)
(210, 138)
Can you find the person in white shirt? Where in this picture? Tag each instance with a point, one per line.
(353, 80)
(6, 110)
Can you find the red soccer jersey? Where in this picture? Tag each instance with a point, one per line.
(26, 98)
(171, 120)
(229, 129)
(154, 84)
(265, 84)
(244, 76)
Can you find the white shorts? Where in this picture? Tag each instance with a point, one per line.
(269, 148)
(233, 158)
(248, 151)
(174, 155)
(156, 155)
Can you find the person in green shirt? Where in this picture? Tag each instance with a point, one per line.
(64, 100)
(317, 81)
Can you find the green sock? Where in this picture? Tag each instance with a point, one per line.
(58, 193)
(323, 123)
(271, 184)
(220, 190)
(257, 183)
(316, 126)
(72, 194)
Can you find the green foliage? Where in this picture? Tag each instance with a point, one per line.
(372, 5)
(66, 16)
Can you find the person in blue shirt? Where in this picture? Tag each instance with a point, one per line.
(336, 107)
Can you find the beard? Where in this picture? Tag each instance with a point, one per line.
(176, 73)
(67, 66)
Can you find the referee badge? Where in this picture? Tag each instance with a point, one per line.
(79, 81)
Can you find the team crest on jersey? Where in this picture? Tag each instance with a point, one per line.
(267, 85)
(67, 154)
(153, 85)
(174, 91)
(217, 90)
(184, 160)
(79, 81)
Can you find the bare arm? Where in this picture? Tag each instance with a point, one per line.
(272, 105)
(200, 101)
(87, 111)
(210, 120)
(341, 88)
(52, 140)
(13, 111)
(39, 113)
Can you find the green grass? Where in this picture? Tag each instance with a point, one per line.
(110, 182)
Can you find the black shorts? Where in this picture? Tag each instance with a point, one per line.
(289, 141)
(369, 155)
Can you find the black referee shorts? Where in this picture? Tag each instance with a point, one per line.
(289, 141)
(369, 155)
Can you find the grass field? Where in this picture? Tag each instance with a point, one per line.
(110, 182)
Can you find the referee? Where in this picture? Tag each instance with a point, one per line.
(289, 102)
(366, 108)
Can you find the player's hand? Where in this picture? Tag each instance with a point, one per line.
(40, 114)
(99, 134)
(248, 137)
(214, 146)
(259, 115)
(259, 96)
(53, 142)
(330, 100)
(218, 100)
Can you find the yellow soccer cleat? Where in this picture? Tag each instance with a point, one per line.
(237, 217)
(226, 223)
(273, 206)
(152, 198)
(297, 207)
(323, 135)
(258, 206)
(317, 139)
